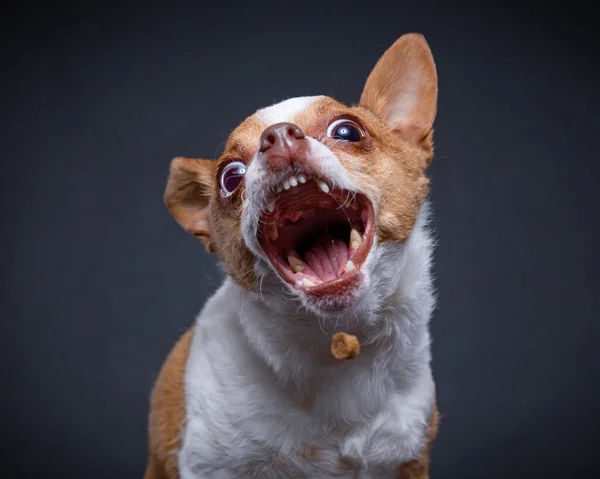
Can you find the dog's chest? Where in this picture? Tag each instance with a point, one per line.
(253, 431)
(247, 455)
(242, 422)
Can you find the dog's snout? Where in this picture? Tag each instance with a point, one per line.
(281, 144)
(280, 134)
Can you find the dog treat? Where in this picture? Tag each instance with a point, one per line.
(345, 346)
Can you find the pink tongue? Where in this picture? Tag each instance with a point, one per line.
(327, 257)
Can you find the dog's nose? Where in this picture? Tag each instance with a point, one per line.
(282, 144)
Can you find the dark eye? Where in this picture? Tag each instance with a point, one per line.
(345, 130)
(231, 176)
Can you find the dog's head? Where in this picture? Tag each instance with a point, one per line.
(316, 195)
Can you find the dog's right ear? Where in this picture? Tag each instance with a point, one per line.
(187, 195)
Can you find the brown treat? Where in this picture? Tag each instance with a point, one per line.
(345, 346)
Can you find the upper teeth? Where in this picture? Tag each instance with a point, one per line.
(292, 182)
(321, 184)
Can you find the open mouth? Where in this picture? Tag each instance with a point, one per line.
(317, 238)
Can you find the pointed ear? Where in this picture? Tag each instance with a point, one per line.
(402, 90)
(187, 195)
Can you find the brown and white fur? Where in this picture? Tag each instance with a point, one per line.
(252, 390)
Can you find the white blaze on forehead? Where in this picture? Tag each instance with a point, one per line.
(285, 110)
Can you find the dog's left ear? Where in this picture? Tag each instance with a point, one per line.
(187, 195)
(402, 90)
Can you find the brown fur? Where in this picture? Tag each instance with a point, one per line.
(402, 90)
(385, 164)
(192, 196)
(167, 413)
(187, 195)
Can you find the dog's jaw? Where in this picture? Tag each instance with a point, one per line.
(324, 176)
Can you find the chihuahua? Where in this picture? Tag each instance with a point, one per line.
(318, 213)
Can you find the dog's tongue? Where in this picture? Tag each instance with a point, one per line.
(327, 257)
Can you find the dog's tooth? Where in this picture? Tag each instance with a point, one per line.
(271, 206)
(350, 266)
(297, 264)
(321, 184)
(286, 185)
(272, 232)
(355, 239)
(293, 181)
(307, 282)
(302, 178)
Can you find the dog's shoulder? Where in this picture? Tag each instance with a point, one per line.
(168, 412)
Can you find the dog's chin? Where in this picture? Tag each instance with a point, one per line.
(340, 297)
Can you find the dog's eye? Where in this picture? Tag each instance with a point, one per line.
(345, 130)
(231, 176)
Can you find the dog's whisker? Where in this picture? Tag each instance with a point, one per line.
(322, 325)
(340, 206)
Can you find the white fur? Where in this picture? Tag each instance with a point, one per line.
(252, 356)
(285, 110)
(255, 354)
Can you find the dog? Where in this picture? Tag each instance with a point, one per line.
(319, 215)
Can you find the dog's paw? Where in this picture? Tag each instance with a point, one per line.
(395, 436)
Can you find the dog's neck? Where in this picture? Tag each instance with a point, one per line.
(391, 322)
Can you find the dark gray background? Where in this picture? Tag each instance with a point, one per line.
(98, 280)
